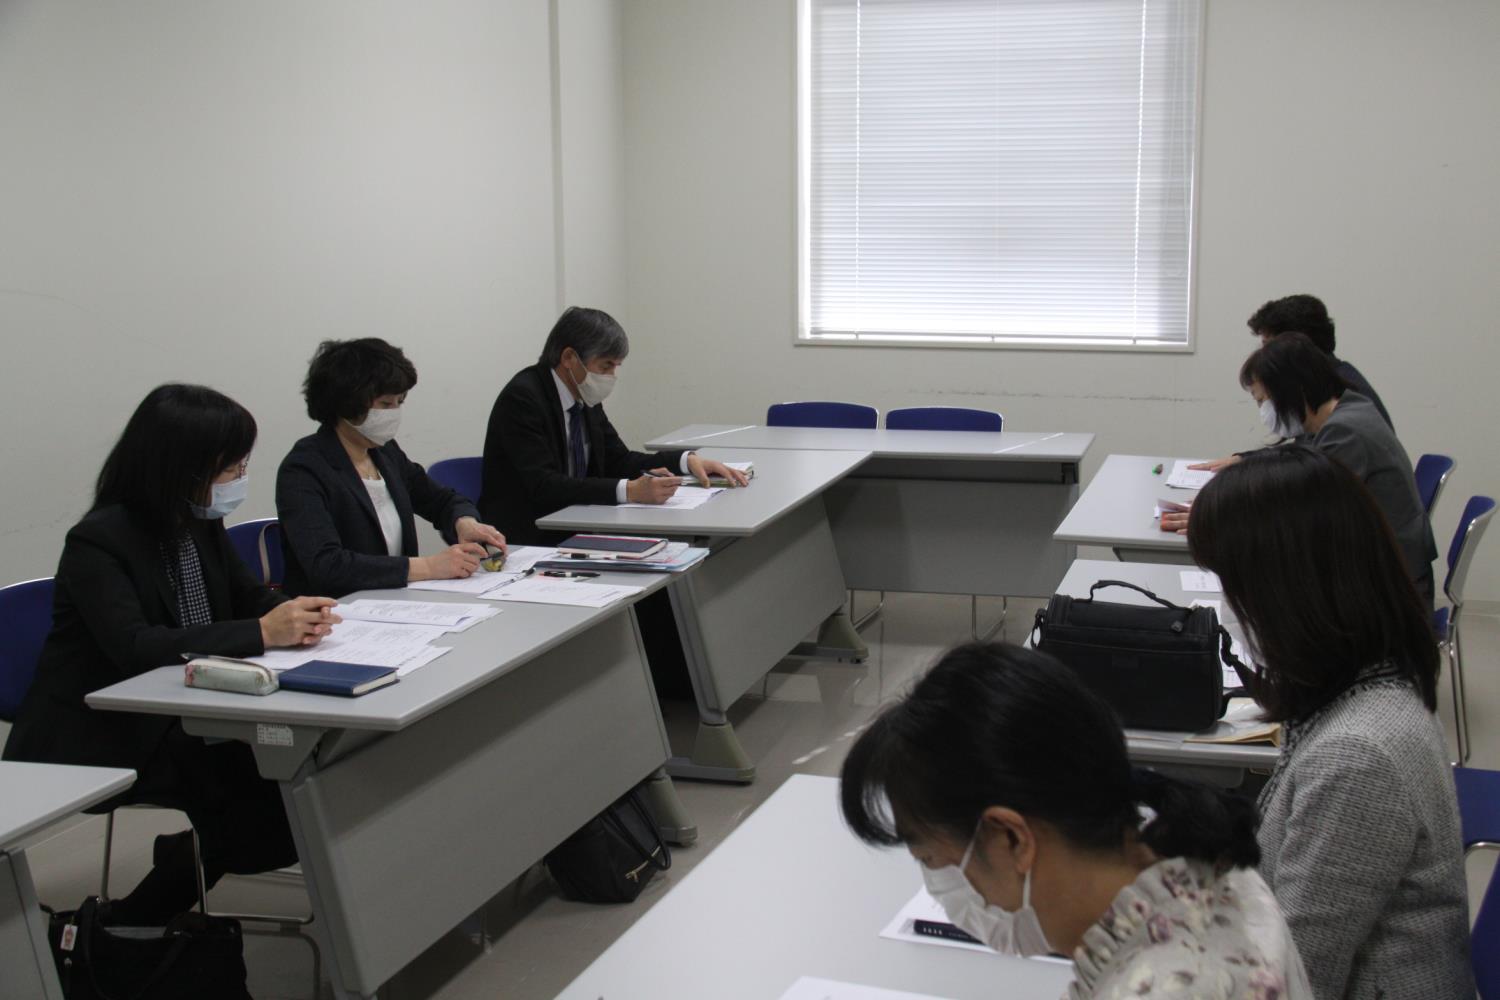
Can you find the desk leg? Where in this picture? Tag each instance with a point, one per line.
(838, 639)
(717, 754)
(25, 956)
(672, 820)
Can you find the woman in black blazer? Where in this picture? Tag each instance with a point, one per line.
(346, 495)
(146, 576)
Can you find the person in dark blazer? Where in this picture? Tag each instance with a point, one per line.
(148, 575)
(1307, 315)
(549, 443)
(347, 496)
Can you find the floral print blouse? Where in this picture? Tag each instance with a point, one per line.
(1184, 929)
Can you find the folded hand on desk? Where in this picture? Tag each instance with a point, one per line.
(1174, 521)
(469, 529)
(302, 621)
(456, 562)
(704, 469)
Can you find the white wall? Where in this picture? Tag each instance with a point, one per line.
(1348, 149)
(204, 191)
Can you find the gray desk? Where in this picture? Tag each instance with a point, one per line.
(791, 893)
(935, 512)
(415, 804)
(771, 578)
(1115, 511)
(1214, 762)
(33, 797)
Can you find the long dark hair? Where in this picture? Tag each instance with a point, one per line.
(1296, 375)
(178, 439)
(1313, 572)
(1001, 725)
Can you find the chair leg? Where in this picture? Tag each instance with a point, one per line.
(974, 619)
(109, 845)
(198, 872)
(1461, 707)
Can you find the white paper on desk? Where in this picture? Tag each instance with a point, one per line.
(399, 612)
(1200, 582)
(1183, 478)
(686, 498)
(469, 622)
(421, 660)
(577, 593)
(923, 907)
(474, 586)
(375, 644)
(520, 558)
(812, 988)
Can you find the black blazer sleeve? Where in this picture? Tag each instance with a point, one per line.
(430, 499)
(104, 588)
(519, 426)
(618, 461)
(310, 503)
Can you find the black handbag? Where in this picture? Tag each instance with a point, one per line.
(1158, 667)
(612, 857)
(194, 956)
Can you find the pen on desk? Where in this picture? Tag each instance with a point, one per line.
(569, 574)
(936, 928)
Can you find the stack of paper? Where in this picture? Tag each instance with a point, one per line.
(1184, 478)
(374, 644)
(686, 498)
(547, 590)
(1200, 582)
(453, 617)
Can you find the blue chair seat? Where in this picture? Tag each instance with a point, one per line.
(823, 414)
(1440, 624)
(463, 476)
(942, 418)
(25, 618)
(1478, 804)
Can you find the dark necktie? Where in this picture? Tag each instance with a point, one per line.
(575, 440)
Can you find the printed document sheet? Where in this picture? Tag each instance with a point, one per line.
(1183, 478)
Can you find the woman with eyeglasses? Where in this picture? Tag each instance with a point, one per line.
(147, 576)
(1359, 831)
(1008, 782)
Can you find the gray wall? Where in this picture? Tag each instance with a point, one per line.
(1348, 149)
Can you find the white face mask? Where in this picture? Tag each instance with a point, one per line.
(1273, 424)
(380, 426)
(1018, 933)
(595, 388)
(224, 498)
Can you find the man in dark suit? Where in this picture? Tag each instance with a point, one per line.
(549, 444)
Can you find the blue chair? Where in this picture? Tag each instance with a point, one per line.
(25, 619)
(1432, 474)
(1471, 527)
(465, 476)
(848, 415)
(952, 418)
(942, 418)
(258, 543)
(1479, 809)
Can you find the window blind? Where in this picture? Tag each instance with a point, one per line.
(998, 171)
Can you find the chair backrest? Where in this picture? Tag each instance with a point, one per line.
(462, 475)
(1476, 517)
(25, 620)
(942, 418)
(1432, 474)
(246, 539)
(823, 414)
(270, 551)
(1484, 940)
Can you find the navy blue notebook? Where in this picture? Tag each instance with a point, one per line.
(330, 677)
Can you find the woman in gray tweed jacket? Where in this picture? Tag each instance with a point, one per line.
(1359, 829)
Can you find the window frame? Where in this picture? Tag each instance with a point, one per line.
(802, 148)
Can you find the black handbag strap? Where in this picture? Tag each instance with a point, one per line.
(1138, 589)
(661, 856)
(1226, 653)
(88, 925)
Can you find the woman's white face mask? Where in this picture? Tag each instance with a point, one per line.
(380, 426)
(1010, 933)
(1291, 429)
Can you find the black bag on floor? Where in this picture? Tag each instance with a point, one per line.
(193, 957)
(613, 856)
(1159, 668)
